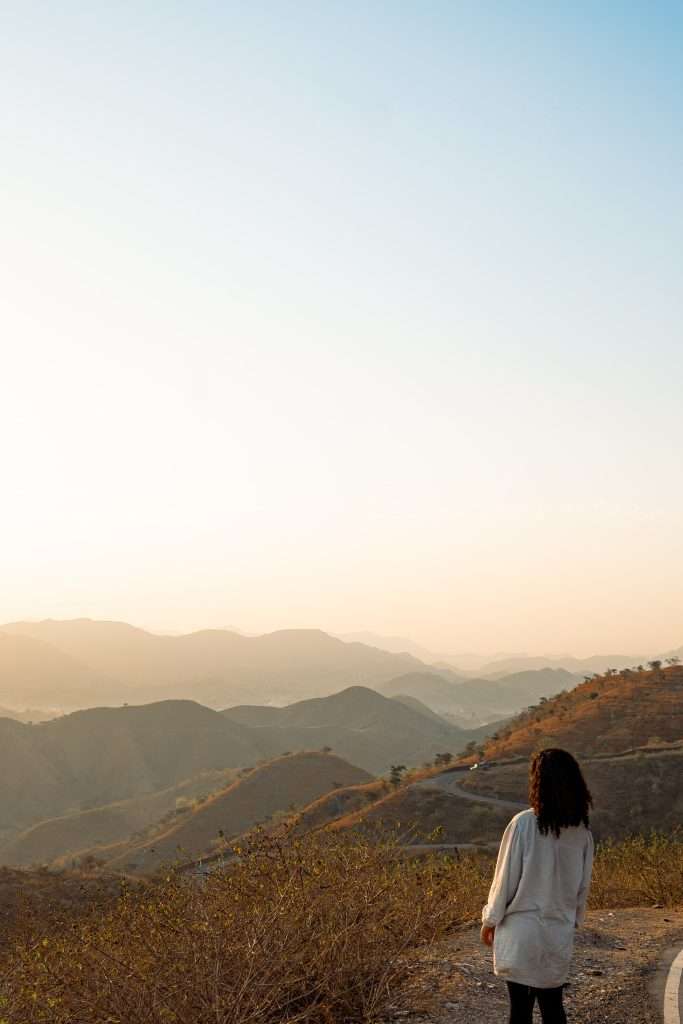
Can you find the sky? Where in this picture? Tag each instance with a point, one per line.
(345, 315)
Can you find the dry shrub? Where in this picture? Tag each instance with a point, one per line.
(311, 930)
(639, 871)
(296, 930)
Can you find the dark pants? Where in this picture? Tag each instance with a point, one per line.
(522, 999)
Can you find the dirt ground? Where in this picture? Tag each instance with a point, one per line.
(617, 976)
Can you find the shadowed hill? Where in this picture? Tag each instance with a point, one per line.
(279, 786)
(359, 724)
(103, 755)
(483, 699)
(61, 838)
(119, 662)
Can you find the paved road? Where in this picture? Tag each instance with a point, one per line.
(448, 782)
(672, 991)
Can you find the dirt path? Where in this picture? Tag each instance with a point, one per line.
(620, 968)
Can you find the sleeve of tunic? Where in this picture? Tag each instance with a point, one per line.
(506, 878)
(582, 896)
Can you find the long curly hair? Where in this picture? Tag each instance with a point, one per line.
(557, 791)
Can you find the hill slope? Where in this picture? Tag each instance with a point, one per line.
(610, 713)
(295, 780)
(61, 838)
(359, 724)
(103, 755)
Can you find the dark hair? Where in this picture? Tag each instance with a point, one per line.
(557, 791)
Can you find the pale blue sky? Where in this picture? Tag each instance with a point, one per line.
(358, 315)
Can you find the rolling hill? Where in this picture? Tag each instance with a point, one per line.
(96, 757)
(359, 724)
(279, 786)
(62, 838)
(82, 662)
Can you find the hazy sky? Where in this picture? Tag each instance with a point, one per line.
(359, 315)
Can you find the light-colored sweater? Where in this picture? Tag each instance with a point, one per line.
(537, 898)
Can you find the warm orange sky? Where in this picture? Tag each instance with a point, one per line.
(361, 318)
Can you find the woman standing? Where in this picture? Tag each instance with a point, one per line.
(539, 890)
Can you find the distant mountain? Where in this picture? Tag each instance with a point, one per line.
(577, 666)
(82, 662)
(477, 701)
(28, 715)
(417, 705)
(34, 671)
(359, 724)
(279, 786)
(436, 690)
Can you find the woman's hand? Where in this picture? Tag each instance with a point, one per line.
(487, 933)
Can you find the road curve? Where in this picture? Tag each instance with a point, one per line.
(672, 991)
(448, 783)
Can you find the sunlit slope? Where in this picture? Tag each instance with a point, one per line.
(609, 713)
(279, 786)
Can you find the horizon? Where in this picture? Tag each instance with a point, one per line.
(334, 315)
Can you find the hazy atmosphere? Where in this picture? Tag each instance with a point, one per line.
(358, 317)
(341, 559)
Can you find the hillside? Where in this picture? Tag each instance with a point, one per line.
(111, 662)
(103, 755)
(425, 814)
(632, 792)
(359, 724)
(279, 786)
(610, 713)
(61, 838)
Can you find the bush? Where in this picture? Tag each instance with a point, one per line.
(311, 930)
(639, 871)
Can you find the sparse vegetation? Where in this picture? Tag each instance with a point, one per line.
(307, 930)
(312, 929)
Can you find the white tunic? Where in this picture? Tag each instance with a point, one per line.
(537, 898)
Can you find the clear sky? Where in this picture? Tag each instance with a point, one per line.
(358, 315)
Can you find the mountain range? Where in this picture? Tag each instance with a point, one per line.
(81, 662)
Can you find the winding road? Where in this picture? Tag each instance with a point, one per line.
(448, 783)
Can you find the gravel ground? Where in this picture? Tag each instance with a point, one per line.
(616, 977)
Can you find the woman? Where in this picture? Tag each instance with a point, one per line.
(539, 890)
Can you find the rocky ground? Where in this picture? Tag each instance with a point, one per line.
(617, 978)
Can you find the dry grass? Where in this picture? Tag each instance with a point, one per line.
(304, 930)
(639, 871)
(310, 930)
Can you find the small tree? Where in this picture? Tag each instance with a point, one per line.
(443, 759)
(673, 660)
(654, 665)
(396, 774)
